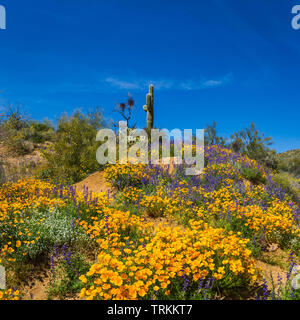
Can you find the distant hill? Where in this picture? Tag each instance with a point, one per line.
(290, 154)
(290, 162)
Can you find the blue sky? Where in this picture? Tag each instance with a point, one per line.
(231, 61)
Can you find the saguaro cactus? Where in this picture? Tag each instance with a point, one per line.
(149, 107)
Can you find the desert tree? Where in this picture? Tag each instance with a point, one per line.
(211, 137)
(253, 143)
(125, 110)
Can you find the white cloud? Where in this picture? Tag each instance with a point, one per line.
(135, 83)
(168, 84)
(123, 84)
(212, 83)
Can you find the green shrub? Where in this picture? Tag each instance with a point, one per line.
(20, 135)
(47, 229)
(13, 129)
(2, 174)
(72, 156)
(252, 174)
(288, 183)
(40, 132)
(295, 166)
(255, 145)
(289, 161)
(211, 137)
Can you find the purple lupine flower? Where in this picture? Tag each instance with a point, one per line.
(185, 278)
(265, 290)
(73, 224)
(206, 290)
(186, 283)
(228, 214)
(200, 286)
(67, 256)
(52, 268)
(273, 293)
(292, 293)
(279, 280)
(69, 260)
(106, 226)
(292, 265)
(64, 250)
(254, 241)
(55, 251)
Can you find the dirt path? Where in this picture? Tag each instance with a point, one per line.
(37, 288)
(95, 183)
(275, 265)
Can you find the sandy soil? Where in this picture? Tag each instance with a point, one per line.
(95, 183)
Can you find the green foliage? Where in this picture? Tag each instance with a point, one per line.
(2, 173)
(65, 276)
(72, 156)
(210, 135)
(248, 141)
(252, 174)
(43, 230)
(15, 131)
(20, 134)
(40, 132)
(255, 145)
(288, 183)
(295, 166)
(290, 162)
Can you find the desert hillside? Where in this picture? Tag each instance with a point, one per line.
(152, 233)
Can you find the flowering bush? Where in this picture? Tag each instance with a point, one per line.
(163, 264)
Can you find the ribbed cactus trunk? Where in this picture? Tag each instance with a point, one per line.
(149, 107)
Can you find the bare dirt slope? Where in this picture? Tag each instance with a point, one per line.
(95, 183)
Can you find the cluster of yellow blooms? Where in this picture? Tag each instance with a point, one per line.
(17, 199)
(9, 295)
(128, 171)
(25, 196)
(169, 205)
(277, 216)
(147, 266)
(223, 202)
